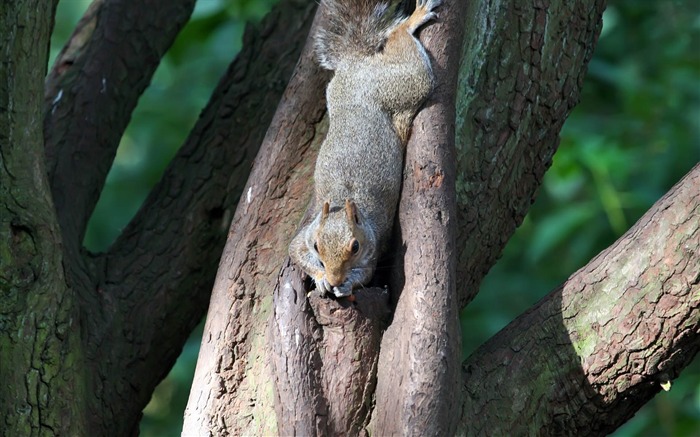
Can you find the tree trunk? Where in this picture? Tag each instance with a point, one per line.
(41, 372)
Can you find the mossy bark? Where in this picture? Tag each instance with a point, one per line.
(600, 346)
(520, 76)
(43, 386)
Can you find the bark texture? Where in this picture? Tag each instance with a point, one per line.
(42, 391)
(92, 91)
(527, 96)
(119, 317)
(600, 346)
(418, 371)
(523, 64)
(182, 225)
(324, 357)
(232, 392)
(88, 336)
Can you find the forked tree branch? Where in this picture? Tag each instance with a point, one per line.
(591, 353)
(325, 390)
(232, 391)
(90, 95)
(155, 281)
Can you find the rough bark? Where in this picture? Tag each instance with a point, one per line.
(523, 65)
(91, 92)
(232, 393)
(126, 306)
(600, 346)
(324, 357)
(169, 253)
(86, 349)
(325, 373)
(418, 372)
(42, 391)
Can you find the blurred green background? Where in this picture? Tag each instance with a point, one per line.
(635, 133)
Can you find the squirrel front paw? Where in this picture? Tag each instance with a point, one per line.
(323, 286)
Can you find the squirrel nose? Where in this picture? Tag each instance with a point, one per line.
(335, 279)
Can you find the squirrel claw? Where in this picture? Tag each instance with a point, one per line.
(325, 287)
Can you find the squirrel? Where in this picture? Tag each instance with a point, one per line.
(382, 75)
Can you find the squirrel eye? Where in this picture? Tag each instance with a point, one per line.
(355, 247)
(315, 246)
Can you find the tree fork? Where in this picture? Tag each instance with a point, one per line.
(521, 75)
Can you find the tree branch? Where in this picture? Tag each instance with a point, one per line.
(418, 373)
(169, 253)
(90, 95)
(599, 347)
(324, 357)
(523, 65)
(232, 391)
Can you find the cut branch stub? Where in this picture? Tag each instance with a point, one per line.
(295, 358)
(326, 393)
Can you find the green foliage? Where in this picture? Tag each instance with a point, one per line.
(635, 133)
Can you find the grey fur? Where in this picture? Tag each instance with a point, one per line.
(382, 77)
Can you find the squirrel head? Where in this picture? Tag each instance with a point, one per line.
(341, 241)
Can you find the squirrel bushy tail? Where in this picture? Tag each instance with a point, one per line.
(356, 28)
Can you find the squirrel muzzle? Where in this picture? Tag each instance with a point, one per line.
(335, 278)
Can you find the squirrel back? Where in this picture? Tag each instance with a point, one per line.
(382, 76)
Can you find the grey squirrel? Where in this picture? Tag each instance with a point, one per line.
(382, 75)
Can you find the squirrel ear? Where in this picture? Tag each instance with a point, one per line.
(351, 212)
(325, 210)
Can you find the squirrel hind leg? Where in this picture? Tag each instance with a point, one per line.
(423, 13)
(402, 124)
